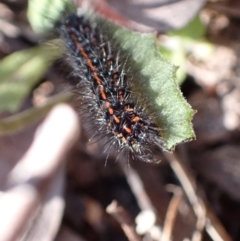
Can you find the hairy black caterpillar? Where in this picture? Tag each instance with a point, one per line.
(126, 90)
(103, 86)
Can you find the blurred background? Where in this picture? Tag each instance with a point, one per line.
(76, 196)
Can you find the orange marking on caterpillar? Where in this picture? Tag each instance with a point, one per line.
(110, 111)
(116, 119)
(120, 92)
(80, 48)
(135, 119)
(103, 94)
(120, 98)
(115, 76)
(127, 129)
(107, 104)
(98, 80)
(89, 61)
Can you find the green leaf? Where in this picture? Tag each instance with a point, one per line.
(23, 119)
(194, 30)
(155, 86)
(42, 14)
(178, 57)
(20, 71)
(180, 42)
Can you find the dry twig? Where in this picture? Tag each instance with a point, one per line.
(171, 213)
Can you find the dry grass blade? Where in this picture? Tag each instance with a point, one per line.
(198, 206)
(171, 213)
(137, 187)
(124, 219)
